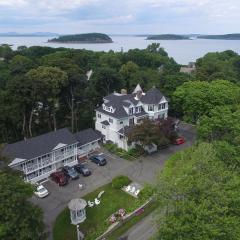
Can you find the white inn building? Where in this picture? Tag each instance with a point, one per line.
(39, 156)
(120, 111)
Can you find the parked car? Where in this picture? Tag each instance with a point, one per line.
(179, 140)
(99, 160)
(41, 191)
(82, 169)
(59, 177)
(70, 172)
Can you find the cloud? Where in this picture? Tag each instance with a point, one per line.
(121, 14)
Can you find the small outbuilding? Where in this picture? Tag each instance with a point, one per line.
(77, 210)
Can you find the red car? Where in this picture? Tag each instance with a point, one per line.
(59, 178)
(179, 141)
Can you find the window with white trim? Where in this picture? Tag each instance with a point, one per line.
(138, 109)
(130, 111)
(151, 108)
(99, 115)
(110, 120)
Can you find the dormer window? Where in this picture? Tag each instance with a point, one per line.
(108, 109)
(138, 109)
(162, 106)
(150, 108)
(130, 111)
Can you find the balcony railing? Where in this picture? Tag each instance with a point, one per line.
(35, 166)
(64, 155)
(46, 162)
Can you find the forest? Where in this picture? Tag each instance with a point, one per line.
(42, 89)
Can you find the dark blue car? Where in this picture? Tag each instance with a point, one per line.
(81, 168)
(99, 160)
(70, 172)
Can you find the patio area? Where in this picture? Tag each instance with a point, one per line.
(133, 189)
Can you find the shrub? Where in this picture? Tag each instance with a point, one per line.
(120, 181)
(137, 151)
(146, 192)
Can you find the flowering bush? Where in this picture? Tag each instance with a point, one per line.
(113, 219)
(121, 212)
(117, 215)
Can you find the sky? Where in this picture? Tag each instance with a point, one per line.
(120, 16)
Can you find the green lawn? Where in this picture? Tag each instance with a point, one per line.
(96, 223)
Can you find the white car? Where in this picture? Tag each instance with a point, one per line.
(41, 191)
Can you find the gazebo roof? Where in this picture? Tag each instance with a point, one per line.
(77, 204)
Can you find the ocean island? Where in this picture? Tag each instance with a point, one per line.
(167, 37)
(83, 38)
(234, 36)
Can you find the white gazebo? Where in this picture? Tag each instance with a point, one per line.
(77, 213)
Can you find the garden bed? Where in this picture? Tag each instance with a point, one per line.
(97, 221)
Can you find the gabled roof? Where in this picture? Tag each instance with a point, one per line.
(87, 136)
(121, 101)
(118, 113)
(118, 102)
(137, 89)
(40, 145)
(153, 96)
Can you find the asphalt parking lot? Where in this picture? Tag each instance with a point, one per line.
(142, 170)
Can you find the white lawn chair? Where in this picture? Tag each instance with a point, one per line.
(90, 204)
(97, 201)
(133, 189)
(100, 194)
(128, 188)
(136, 192)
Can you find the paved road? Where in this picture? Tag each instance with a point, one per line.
(142, 171)
(143, 230)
